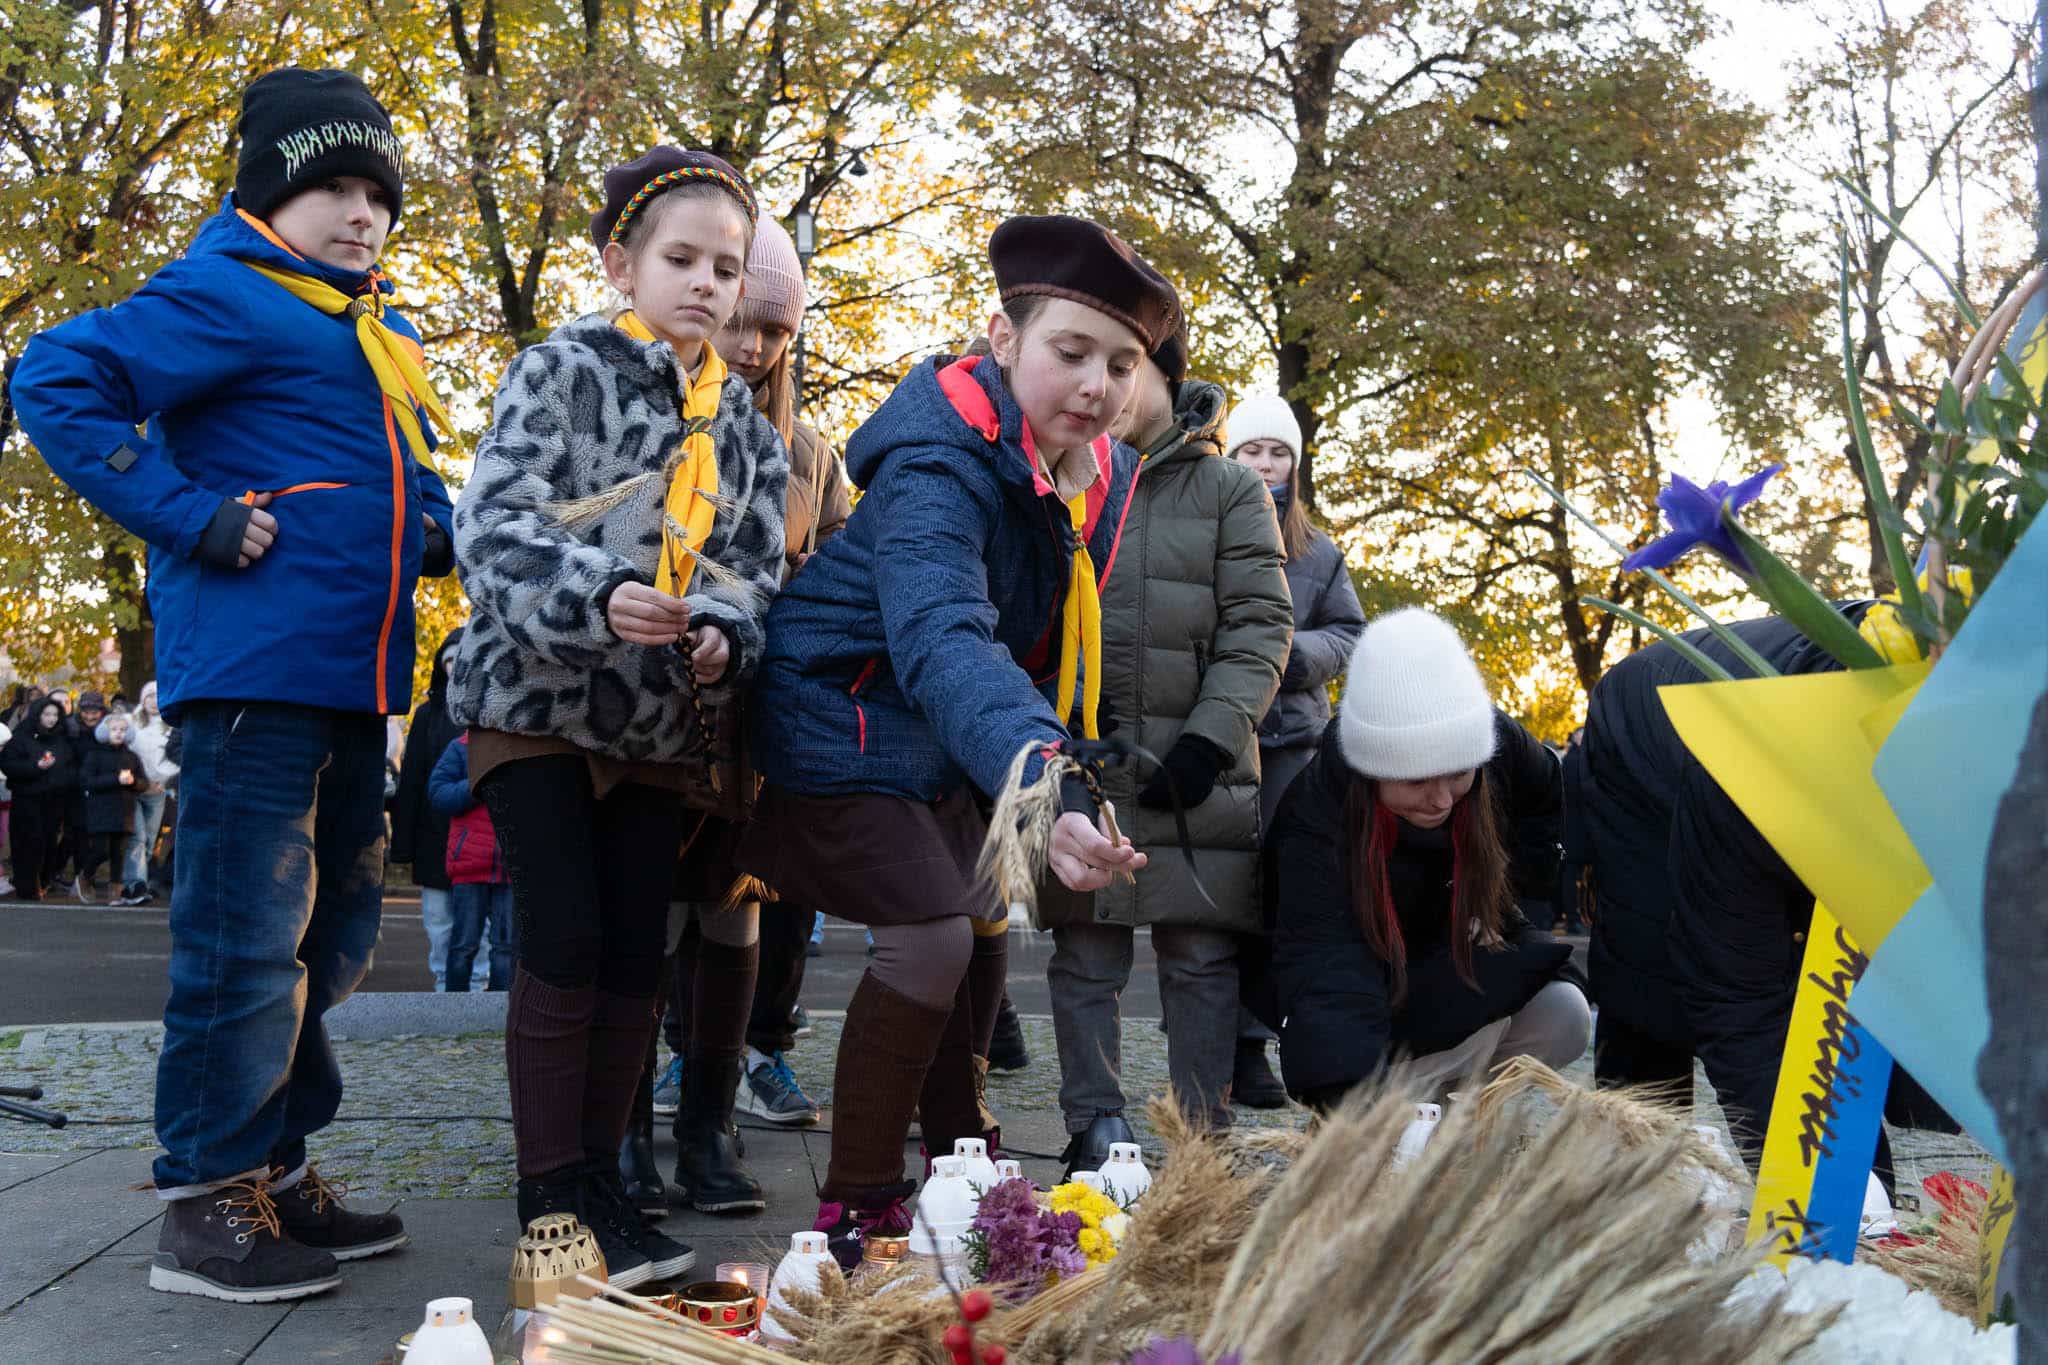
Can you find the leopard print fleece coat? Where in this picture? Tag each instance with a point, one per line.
(578, 415)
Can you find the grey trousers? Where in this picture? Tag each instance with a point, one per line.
(1091, 966)
(1554, 1028)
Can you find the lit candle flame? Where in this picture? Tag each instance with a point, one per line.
(739, 1275)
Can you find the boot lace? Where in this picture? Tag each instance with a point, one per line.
(324, 1191)
(255, 1202)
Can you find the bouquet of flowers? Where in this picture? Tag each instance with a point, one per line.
(1029, 1242)
(1018, 1244)
(1103, 1223)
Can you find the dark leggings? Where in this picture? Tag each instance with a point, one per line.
(590, 878)
(37, 826)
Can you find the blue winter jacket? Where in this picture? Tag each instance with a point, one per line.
(245, 389)
(919, 647)
(448, 790)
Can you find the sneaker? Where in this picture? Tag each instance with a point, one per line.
(800, 1022)
(231, 1244)
(769, 1092)
(814, 949)
(135, 894)
(6, 887)
(312, 1213)
(847, 1228)
(606, 1202)
(668, 1088)
(568, 1191)
(78, 892)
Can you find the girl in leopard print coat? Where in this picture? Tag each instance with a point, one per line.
(620, 540)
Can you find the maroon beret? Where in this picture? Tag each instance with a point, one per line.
(1072, 258)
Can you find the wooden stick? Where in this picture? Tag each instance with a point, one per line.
(1116, 840)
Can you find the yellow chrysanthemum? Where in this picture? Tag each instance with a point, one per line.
(1090, 1241)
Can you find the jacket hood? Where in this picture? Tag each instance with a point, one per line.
(104, 731)
(918, 414)
(1197, 430)
(228, 233)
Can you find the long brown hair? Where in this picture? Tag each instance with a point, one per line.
(1480, 893)
(1295, 530)
(775, 396)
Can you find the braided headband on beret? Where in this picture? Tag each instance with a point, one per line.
(670, 179)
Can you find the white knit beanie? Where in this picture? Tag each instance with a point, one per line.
(1262, 417)
(1414, 704)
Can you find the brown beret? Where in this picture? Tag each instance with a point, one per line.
(1072, 258)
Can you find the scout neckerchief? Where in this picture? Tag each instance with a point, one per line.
(393, 359)
(692, 501)
(1081, 617)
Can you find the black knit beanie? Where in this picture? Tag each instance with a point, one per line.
(300, 128)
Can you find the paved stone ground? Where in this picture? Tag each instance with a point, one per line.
(426, 1123)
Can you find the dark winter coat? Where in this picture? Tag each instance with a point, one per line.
(22, 761)
(109, 803)
(1338, 1020)
(472, 849)
(1195, 629)
(1327, 620)
(917, 649)
(239, 388)
(419, 833)
(1699, 926)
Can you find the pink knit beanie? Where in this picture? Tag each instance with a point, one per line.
(775, 278)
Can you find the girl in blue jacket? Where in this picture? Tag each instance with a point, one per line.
(923, 649)
(279, 480)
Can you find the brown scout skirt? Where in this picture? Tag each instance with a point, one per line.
(869, 858)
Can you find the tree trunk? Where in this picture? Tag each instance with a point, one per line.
(1292, 359)
(2013, 1068)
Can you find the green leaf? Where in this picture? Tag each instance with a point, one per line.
(1670, 637)
(1793, 598)
(1756, 662)
(1948, 410)
(1889, 526)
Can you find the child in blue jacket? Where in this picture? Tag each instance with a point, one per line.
(257, 414)
(479, 890)
(919, 653)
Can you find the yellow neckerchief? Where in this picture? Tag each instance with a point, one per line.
(1081, 618)
(692, 502)
(392, 358)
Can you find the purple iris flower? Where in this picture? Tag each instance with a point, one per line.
(1695, 516)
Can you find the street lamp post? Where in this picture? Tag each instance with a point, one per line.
(806, 223)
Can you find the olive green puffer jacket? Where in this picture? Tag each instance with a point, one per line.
(1196, 624)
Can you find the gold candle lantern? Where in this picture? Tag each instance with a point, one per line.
(722, 1306)
(553, 1252)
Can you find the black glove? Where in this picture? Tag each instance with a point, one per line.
(1192, 765)
(437, 551)
(220, 544)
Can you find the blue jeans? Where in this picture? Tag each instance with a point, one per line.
(274, 913)
(149, 818)
(477, 907)
(439, 921)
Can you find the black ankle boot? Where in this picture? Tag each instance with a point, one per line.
(1252, 1080)
(1006, 1051)
(709, 1177)
(1089, 1149)
(637, 1166)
